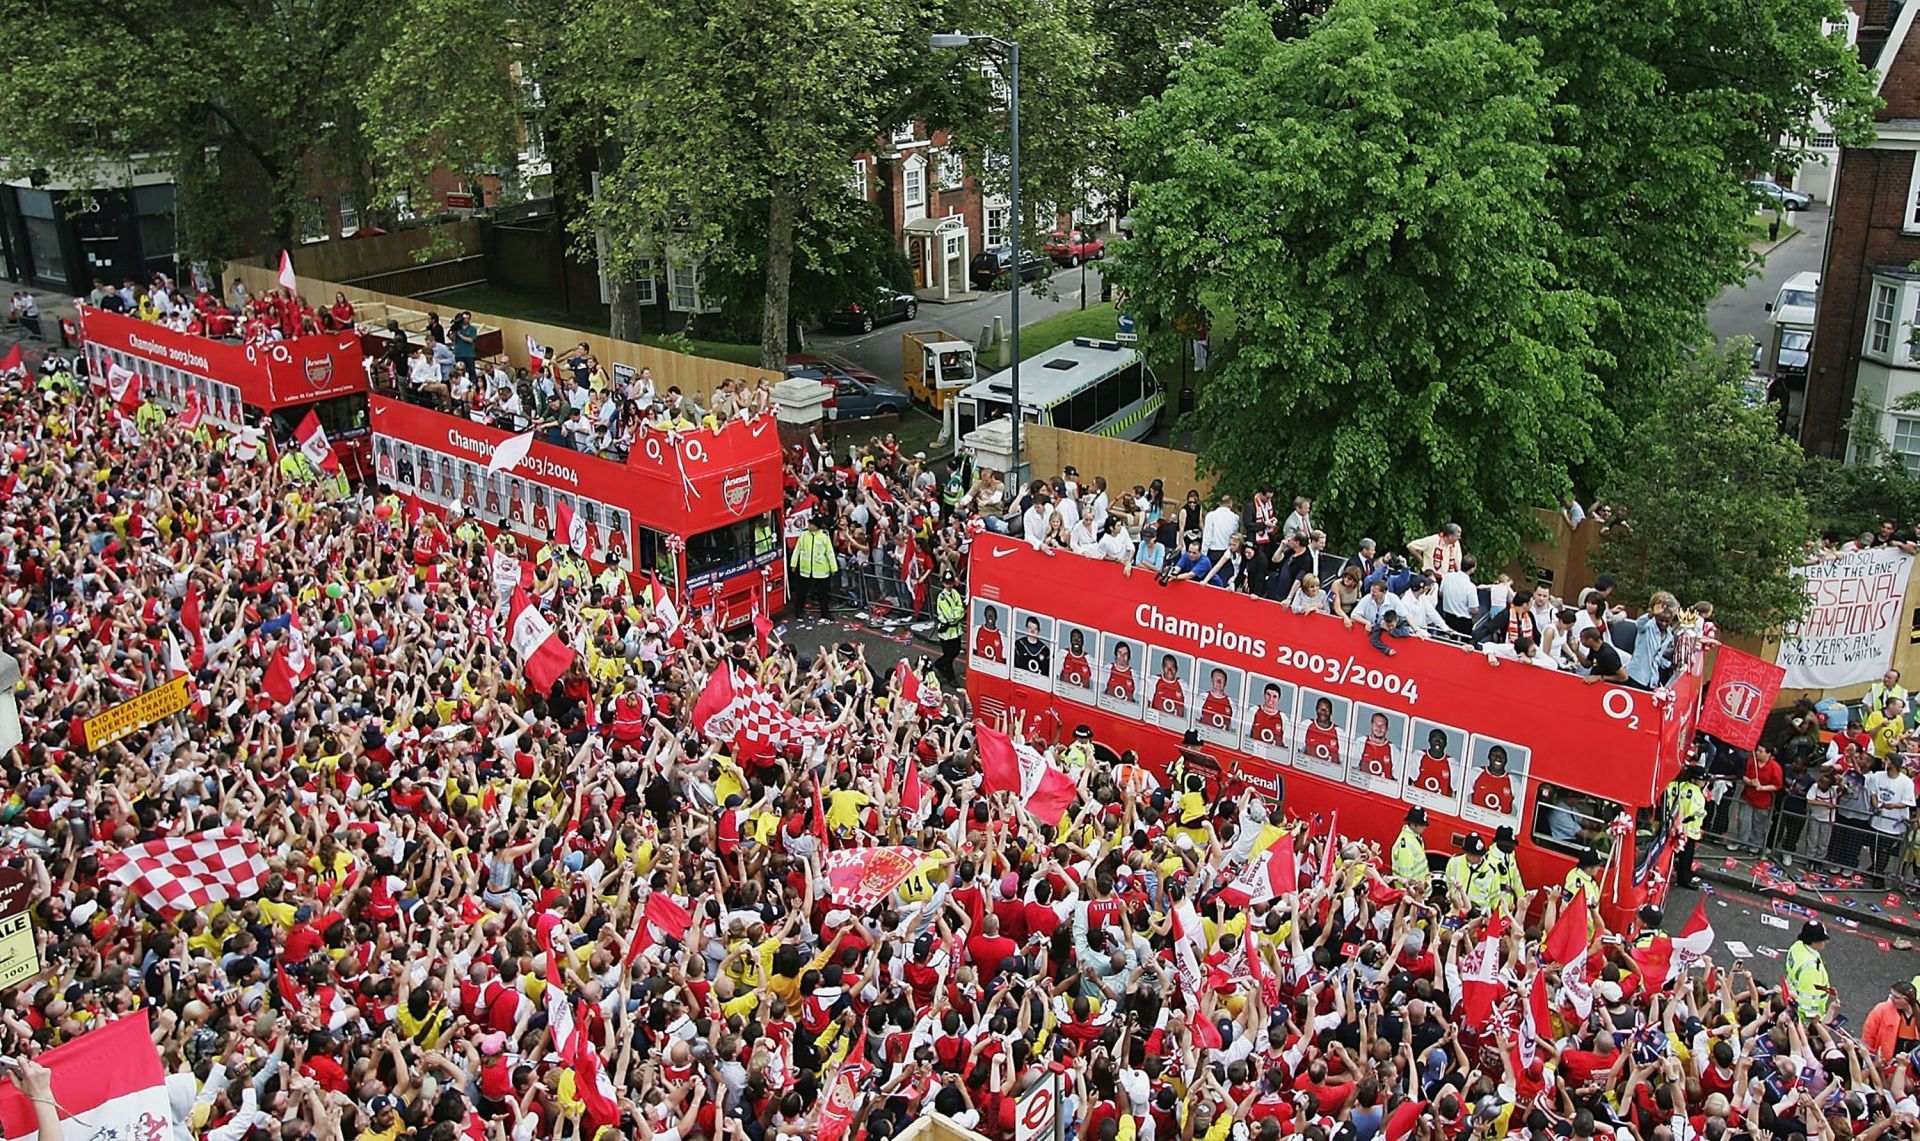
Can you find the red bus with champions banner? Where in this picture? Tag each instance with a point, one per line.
(242, 386)
(1299, 699)
(696, 510)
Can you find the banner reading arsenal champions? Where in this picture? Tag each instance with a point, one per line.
(1275, 695)
(1852, 619)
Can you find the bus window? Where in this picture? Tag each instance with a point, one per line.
(656, 553)
(1130, 386)
(1569, 821)
(1106, 398)
(1073, 414)
(724, 547)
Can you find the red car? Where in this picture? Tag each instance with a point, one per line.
(1070, 249)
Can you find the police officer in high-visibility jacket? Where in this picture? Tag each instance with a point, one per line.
(1511, 890)
(1685, 808)
(1807, 983)
(814, 564)
(1470, 882)
(1580, 882)
(949, 620)
(1410, 867)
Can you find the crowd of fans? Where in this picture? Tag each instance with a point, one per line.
(447, 845)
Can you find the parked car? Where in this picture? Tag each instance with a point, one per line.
(1070, 248)
(991, 268)
(890, 305)
(1774, 193)
(857, 393)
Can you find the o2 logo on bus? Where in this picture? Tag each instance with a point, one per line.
(1618, 704)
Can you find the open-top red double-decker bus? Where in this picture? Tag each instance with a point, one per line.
(1301, 703)
(695, 510)
(272, 385)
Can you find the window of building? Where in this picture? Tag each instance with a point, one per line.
(1880, 320)
(952, 170)
(913, 183)
(1906, 441)
(996, 227)
(1824, 142)
(313, 220)
(903, 134)
(683, 289)
(857, 181)
(349, 217)
(645, 282)
(1911, 223)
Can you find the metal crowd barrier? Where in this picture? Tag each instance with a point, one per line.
(1799, 837)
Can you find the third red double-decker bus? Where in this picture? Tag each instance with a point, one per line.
(695, 510)
(1298, 700)
(272, 385)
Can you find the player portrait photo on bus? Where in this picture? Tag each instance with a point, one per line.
(1433, 771)
(1376, 753)
(987, 646)
(1121, 683)
(1496, 782)
(1216, 715)
(1269, 714)
(1170, 697)
(1074, 647)
(1033, 650)
(1321, 733)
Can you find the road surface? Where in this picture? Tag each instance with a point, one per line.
(1740, 310)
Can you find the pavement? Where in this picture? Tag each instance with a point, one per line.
(53, 306)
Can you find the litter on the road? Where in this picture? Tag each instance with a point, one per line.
(1768, 919)
(1738, 949)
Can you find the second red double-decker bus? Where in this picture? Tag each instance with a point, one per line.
(272, 385)
(695, 510)
(1297, 700)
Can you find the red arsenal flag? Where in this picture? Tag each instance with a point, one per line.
(13, 363)
(107, 1083)
(543, 653)
(191, 412)
(314, 444)
(1737, 701)
(1005, 766)
(570, 528)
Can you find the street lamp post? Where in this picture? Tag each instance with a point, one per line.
(960, 40)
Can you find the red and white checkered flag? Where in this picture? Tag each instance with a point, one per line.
(185, 873)
(734, 706)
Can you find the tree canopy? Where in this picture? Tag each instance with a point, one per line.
(1713, 501)
(1360, 214)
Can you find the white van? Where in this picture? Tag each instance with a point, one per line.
(1102, 388)
(1794, 304)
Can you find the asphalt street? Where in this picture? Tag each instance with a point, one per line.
(1741, 310)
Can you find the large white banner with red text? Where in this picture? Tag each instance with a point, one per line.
(1852, 619)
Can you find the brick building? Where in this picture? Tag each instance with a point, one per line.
(932, 206)
(1863, 350)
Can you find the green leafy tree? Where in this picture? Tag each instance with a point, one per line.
(243, 101)
(1713, 501)
(1359, 216)
(1662, 112)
